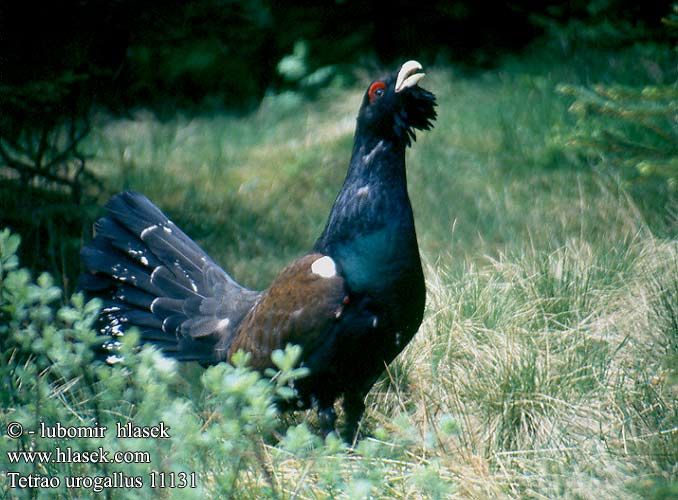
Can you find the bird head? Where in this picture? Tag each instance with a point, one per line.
(395, 106)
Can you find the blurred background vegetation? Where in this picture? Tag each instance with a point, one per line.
(546, 203)
(72, 68)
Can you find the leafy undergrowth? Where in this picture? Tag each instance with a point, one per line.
(225, 442)
(540, 375)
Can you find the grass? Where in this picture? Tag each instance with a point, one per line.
(546, 364)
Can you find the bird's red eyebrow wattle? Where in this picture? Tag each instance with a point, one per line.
(373, 88)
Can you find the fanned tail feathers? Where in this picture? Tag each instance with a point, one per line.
(150, 275)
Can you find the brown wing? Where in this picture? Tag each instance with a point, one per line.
(298, 308)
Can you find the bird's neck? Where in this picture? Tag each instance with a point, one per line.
(374, 194)
(370, 231)
(378, 160)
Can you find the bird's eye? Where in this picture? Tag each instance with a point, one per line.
(377, 89)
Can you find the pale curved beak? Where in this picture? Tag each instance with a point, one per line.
(409, 75)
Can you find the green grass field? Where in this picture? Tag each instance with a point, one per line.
(550, 341)
(546, 363)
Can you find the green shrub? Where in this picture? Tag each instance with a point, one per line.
(42, 130)
(632, 128)
(225, 442)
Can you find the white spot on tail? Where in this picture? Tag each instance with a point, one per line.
(111, 345)
(148, 230)
(167, 229)
(157, 269)
(324, 267)
(164, 324)
(144, 260)
(113, 359)
(362, 192)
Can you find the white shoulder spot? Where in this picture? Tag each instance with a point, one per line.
(324, 267)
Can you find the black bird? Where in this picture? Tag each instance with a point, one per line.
(352, 304)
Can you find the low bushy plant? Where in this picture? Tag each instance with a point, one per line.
(223, 440)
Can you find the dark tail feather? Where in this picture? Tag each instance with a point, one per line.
(152, 276)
